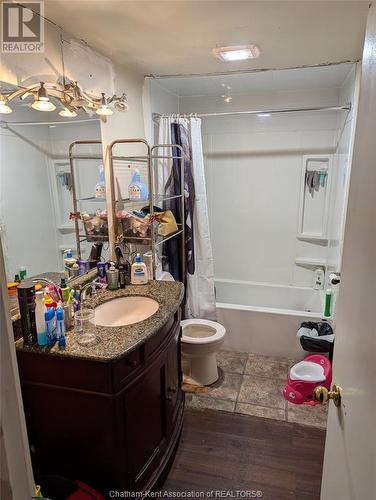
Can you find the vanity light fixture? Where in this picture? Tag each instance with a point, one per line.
(103, 109)
(4, 108)
(71, 97)
(42, 101)
(237, 52)
(67, 112)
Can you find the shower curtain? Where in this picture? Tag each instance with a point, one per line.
(200, 295)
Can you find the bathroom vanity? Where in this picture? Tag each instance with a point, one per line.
(109, 414)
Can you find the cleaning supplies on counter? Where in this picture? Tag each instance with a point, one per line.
(40, 310)
(113, 278)
(137, 190)
(100, 188)
(139, 272)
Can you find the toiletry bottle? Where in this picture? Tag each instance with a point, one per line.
(69, 260)
(60, 327)
(139, 273)
(83, 265)
(50, 319)
(74, 271)
(39, 318)
(100, 188)
(65, 289)
(26, 301)
(137, 190)
(113, 278)
(22, 273)
(328, 302)
(318, 279)
(17, 278)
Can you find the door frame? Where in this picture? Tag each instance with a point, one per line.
(19, 482)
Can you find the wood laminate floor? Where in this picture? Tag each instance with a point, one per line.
(229, 452)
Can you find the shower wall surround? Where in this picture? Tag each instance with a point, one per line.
(254, 168)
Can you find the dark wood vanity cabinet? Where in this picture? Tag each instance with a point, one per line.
(113, 425)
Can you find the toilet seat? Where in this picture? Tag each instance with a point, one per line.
(307, 371)
(209, 332)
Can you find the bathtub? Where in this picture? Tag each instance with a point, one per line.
(263, 318)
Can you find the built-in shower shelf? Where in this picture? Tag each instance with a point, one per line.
(311, 262)
(313, 237)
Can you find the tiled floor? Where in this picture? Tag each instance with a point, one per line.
(252, 385)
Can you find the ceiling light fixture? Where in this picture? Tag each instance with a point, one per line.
(263, 115)
(236, 52)
(226, 97)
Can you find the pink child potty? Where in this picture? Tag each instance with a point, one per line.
(305, 376)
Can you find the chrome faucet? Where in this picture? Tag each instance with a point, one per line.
(90, 286)
(46, 281)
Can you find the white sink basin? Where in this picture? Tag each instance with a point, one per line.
(125, 311)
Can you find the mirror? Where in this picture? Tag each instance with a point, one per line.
(36, 192)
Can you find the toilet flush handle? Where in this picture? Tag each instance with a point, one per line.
(322, 395)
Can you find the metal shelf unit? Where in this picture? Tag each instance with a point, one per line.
(151, 159)
(74, 156)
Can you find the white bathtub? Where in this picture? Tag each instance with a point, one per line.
(263, 318)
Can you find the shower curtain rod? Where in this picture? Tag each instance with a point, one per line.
(346, 107)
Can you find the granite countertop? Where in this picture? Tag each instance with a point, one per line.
(116, 342)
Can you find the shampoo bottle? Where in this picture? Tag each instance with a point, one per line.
(139, 272)
(39, 319)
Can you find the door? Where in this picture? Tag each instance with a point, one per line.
(350, 463)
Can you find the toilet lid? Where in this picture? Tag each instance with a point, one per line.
(201, 331)
(307, 371)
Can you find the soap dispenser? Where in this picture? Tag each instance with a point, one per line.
(100, 188)
(137, 190)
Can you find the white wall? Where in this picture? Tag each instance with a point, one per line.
(253, 168)
(156, 99)
(342, 169)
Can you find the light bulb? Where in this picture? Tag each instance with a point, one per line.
(67, 113)
(104, 110)
(43, 105)
(4, 108)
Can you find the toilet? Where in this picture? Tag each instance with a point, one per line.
(201, 339)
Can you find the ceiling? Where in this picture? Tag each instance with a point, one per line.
(332, 76)
(177, 37)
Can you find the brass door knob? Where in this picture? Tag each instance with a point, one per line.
(322, 394)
